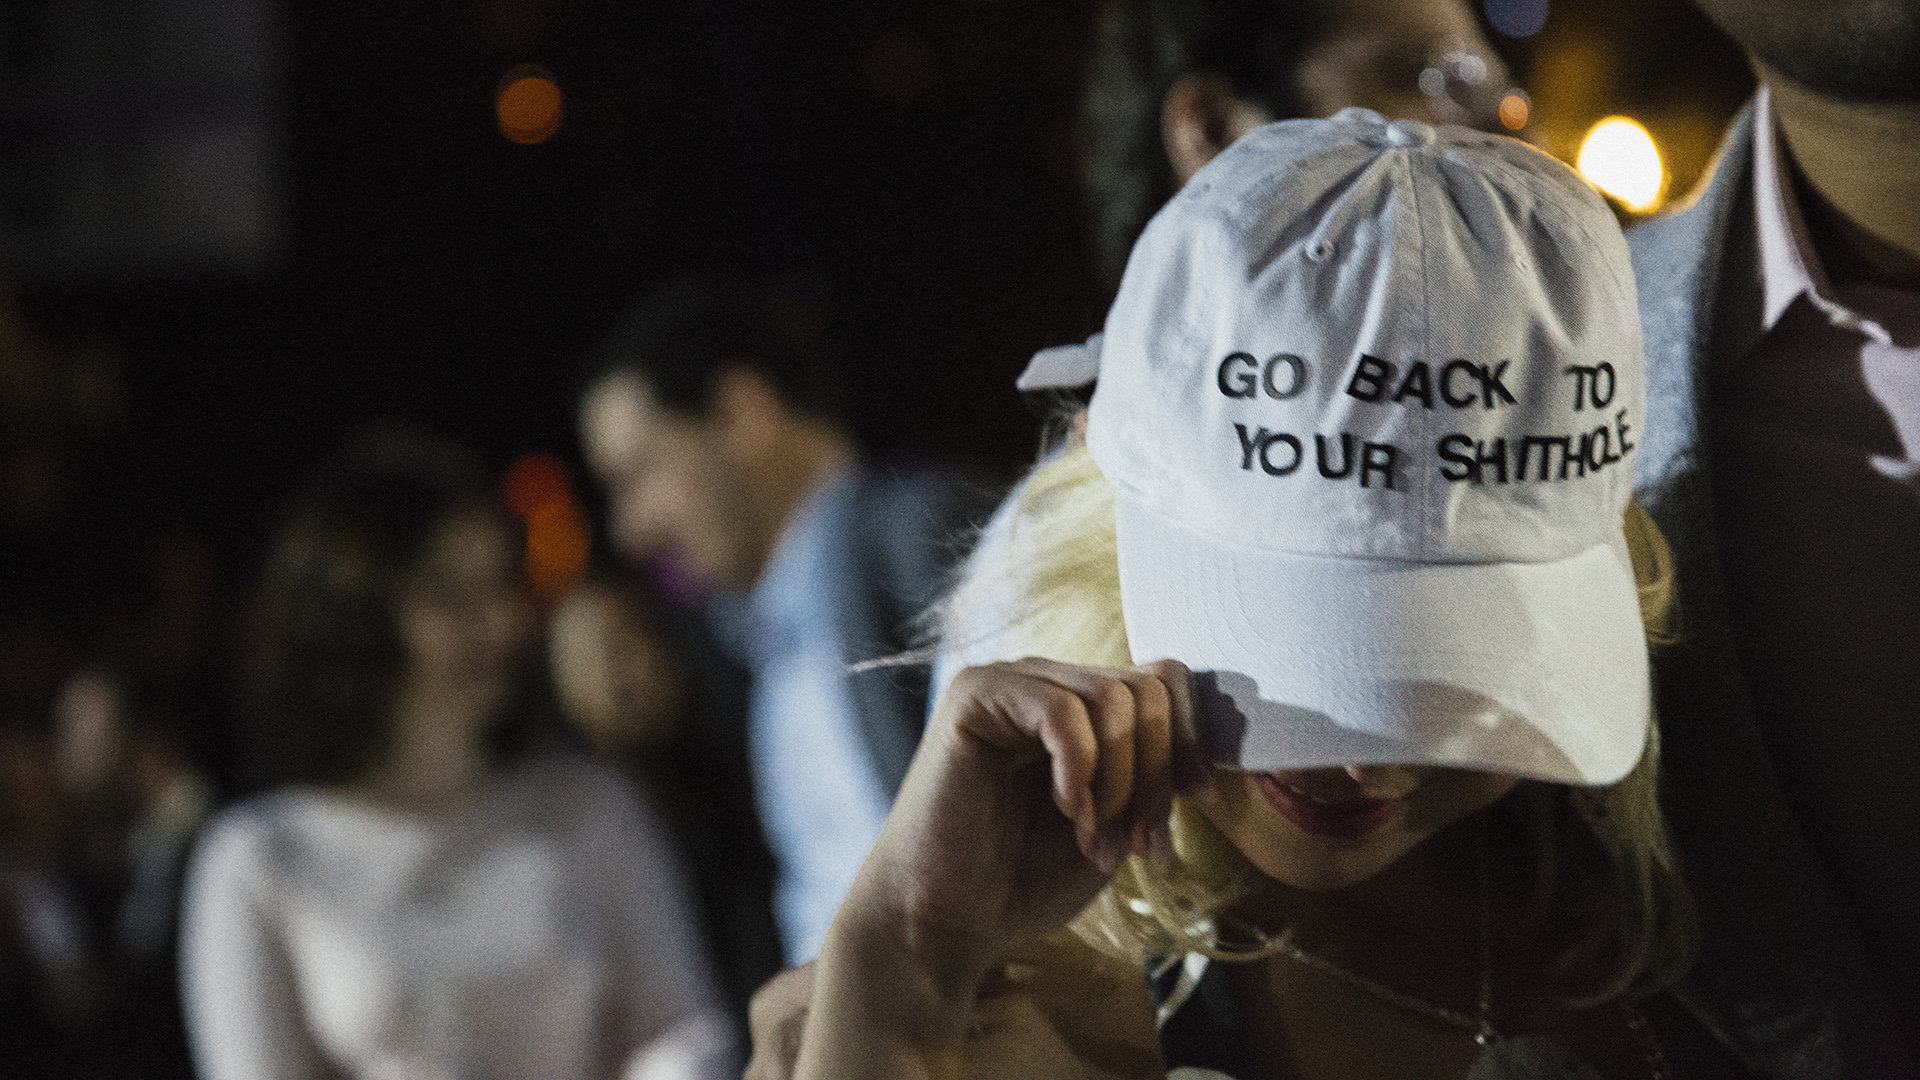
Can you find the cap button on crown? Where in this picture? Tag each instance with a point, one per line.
(1409, 133)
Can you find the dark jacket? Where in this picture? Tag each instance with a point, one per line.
(910, 530)
(1778, 978)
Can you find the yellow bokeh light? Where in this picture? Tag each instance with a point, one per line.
(528, 105)
(1619, 157)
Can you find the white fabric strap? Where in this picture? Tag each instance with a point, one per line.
(1063, 367)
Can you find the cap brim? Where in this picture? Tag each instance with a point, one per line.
(1528, 669)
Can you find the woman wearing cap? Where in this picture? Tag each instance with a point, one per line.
(1331, 751)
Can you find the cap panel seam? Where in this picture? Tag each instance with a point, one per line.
(1545, 203)
(1419, 492)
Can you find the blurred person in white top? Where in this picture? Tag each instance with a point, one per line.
(424, 892)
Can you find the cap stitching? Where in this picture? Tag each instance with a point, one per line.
(1419, 491)
(1545, 203)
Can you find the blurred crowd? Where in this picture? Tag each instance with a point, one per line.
(107, 677)
(403, 801)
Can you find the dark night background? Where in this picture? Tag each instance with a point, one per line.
(916, 155)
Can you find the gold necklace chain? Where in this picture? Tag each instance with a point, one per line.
(1480, 1021)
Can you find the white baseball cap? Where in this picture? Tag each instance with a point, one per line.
(1369, 396)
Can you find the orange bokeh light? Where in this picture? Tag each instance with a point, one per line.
(529, 105)
(559, 544)
(534, 480)
(539, 490)
(1514, 111)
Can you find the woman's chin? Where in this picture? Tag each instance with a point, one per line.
(1312, 864)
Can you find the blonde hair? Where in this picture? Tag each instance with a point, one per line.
(1055, 592)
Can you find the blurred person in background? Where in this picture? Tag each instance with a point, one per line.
(654, 696)
(714, 426)
(98, 817)
(1171, 83)
(66, 529)
(427, 890)
(616, 676)
(1781, 307)
(107, 631)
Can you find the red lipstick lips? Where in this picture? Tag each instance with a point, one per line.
(1338, 816)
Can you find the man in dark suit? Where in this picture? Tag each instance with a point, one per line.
(1781, 310)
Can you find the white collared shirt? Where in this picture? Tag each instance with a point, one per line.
(1789, 268)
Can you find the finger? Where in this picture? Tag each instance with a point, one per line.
(1152, 784)
(766, 1064)
(1111, 707)
(1023, 705)
(1084, 719)
(776, 1016)
(1109, 703)
(789, 991)
(774, 1055)
(1079, 756)
(1192, 766)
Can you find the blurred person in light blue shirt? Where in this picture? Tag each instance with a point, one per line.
(713, 423)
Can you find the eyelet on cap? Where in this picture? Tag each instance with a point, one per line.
(1319, 250)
